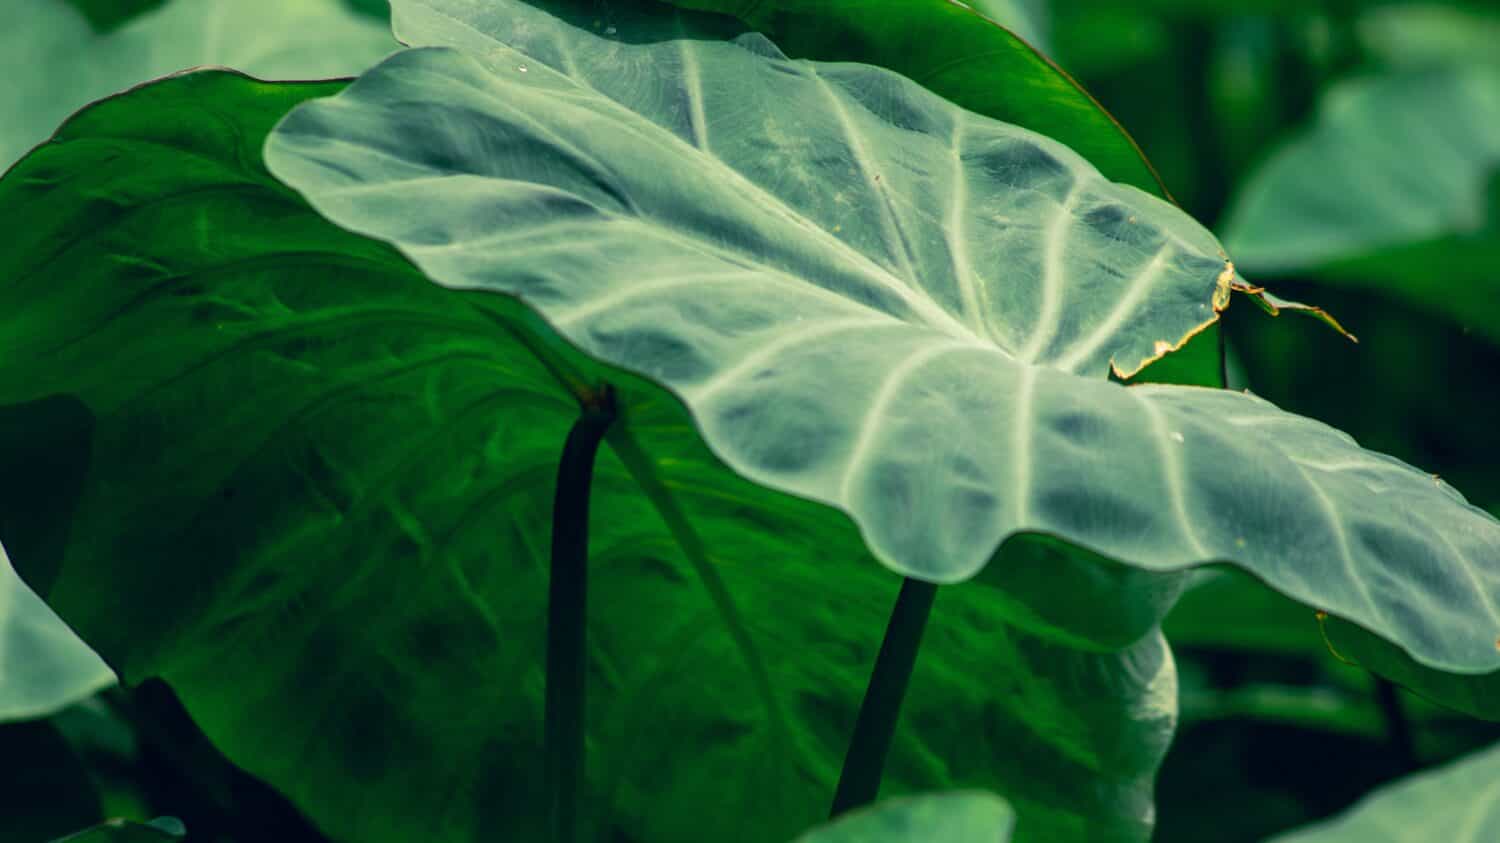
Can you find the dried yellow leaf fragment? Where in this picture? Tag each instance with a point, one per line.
(1223, 286)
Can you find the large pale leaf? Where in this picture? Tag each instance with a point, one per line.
(43, 665)
(936, 818)
(1456, 803)
(1395, 187)
(317, 503)
(873, 299)
(55, 63)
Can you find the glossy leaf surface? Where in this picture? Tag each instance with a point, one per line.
(1459, 802)
(343, 576)
(935, 818)
(1347, 200)
(56, 63)
(870, 298)
(43, 665)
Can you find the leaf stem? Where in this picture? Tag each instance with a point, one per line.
(567, 653)
(864, 762)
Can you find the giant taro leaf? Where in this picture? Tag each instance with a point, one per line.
(871, 298)
(1457, 803)
(55, 63)
(316, 501)
(1397, 186)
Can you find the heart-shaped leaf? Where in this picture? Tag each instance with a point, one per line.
(937, 818)
(55, 63)
(1348, 199)
(870, 298)
(317, 501)
(1459, 802)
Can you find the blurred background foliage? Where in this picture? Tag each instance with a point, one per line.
(1369, 134)
(1348, 153)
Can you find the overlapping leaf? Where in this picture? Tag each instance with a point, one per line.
(317, 503)
(873, 299)
(55, 63)
(1459, 802)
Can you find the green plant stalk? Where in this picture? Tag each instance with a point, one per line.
(567, 651)
(864, 762)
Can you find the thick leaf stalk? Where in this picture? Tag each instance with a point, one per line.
(864, 762)
(567, 652)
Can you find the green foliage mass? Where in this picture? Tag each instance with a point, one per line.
(877, 298)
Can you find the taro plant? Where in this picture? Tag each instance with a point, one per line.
(596, 423)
